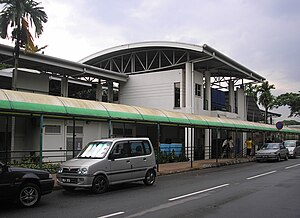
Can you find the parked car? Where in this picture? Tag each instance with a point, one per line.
(23, 185)
(272, 151)
(293, 146)
(109, 161)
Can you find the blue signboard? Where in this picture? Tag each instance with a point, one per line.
(279, 125)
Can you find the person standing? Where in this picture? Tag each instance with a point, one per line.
(225, 148)
(249, 144)
(231, 147)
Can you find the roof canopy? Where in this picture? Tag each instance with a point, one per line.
(152, 56)
(53, 106)
(57, 66)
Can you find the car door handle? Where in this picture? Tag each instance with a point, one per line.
(128, 161)
(144, 159)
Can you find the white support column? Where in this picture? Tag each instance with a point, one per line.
(99, 91)
(207, 102)
(231, 96)
(64, 87)
(189, 143)
(241, 103)
(110, 92)
(207, 144)
(189, 87)
(207, 94)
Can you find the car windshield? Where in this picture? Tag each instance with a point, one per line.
(290, 144)
(270, 146)
(95, 150)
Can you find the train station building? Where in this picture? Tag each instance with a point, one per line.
(179, 95)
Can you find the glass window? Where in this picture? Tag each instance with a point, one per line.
(52, 129)
(121, 150)
(78, 129)
(290, 144)
(137, 148)
(95, 150)
(198, 90)
(177, 94)
(147, 147)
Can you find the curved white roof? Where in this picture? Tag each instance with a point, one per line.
(144, 45)
(172, 54)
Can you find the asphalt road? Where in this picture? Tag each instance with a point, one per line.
(269, 189)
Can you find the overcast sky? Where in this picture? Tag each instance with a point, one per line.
(263, 35)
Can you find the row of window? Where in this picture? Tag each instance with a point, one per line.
(56, 129)
(131, 149)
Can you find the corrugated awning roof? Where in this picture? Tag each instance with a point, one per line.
(22, 102)
(56, 66)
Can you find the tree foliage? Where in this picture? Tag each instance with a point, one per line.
(266, 99)
(292, 100)
(251, 90)
(18, 14)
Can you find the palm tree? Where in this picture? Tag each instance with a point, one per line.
(251, 91)
(18, 14)
(266, 99)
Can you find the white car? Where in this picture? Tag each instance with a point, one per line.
(293, 146)
(272, 151)
(109, 161)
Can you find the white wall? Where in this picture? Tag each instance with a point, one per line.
(91, 131)
(154, 90)
(25, 82)
(54, 141)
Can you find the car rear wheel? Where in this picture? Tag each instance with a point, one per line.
(100, 184)
(149, 178)
(29, 195)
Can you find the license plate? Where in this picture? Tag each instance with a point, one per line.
(66, 180)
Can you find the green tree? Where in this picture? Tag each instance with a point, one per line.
(251, 90)
(266, 99)
(17, 14)
(292, 100)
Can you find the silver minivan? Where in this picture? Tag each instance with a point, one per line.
(109, 161)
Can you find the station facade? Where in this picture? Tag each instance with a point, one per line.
(176, 94)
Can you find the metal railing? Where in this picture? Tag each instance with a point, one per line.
(48, 156)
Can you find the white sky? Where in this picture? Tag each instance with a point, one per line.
(263, 35)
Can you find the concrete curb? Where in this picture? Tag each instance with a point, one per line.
(206, 166)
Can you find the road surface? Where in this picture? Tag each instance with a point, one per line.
(252, 189)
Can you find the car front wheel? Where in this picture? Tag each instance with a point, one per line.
(278, 158)
(29, 195)
(100, 184)
(286, 157)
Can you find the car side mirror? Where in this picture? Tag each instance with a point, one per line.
(111, 157)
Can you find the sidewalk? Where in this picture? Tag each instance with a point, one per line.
(178, 167)
(170, 168)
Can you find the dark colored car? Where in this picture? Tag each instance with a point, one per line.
(24, 186)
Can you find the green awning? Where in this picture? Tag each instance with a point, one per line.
(23, 102)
